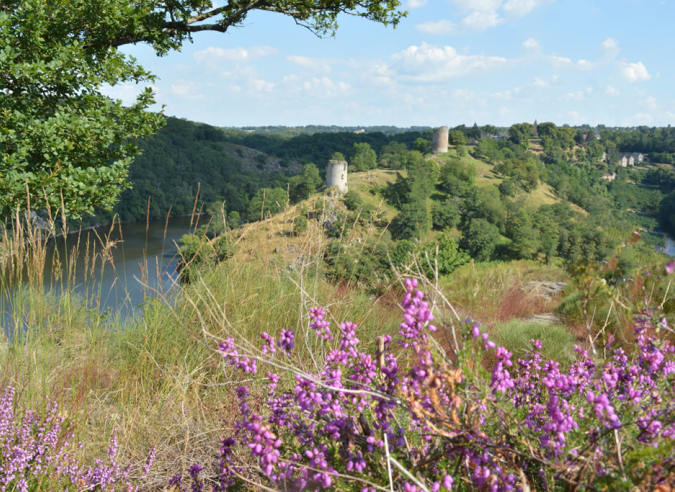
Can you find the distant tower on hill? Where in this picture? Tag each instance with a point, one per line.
(440, 142)
(336, 175)
(535, 129)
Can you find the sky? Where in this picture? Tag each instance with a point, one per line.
(449, 62)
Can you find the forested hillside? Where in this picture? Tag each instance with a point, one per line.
(231, 166)
(254, 174)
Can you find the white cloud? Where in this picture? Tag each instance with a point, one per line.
(325, 87)
(609, 49)
(651, 103)
(415, 4)
(314, 64)
(213, 53)
(520, 8)
(379, 74)
(263, 86)
(480, 5)
(565, 63)
(610, 44)
(480, 15)
(612, 91)
(437, 27)
(541, 83)
(429, 63)
(531, 44)
(634, 72)
(481, 20)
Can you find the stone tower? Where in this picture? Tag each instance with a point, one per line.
(336, 175)
(440, 142)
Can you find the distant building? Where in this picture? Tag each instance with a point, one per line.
(609, 177)
(441, 140)
(626, 160)
(638, 157)
(336, 175)
(535, 129)
(604, 157)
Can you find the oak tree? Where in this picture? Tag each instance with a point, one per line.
(61, 139)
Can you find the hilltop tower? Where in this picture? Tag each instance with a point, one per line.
(336, 175)
(440, 142)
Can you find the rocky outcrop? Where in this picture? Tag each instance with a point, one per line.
(544, 289)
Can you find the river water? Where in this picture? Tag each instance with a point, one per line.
(142, 265)
(670, 246)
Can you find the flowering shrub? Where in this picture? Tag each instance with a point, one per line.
(408, 418)
(36, 454)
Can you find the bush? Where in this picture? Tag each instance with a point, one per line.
(352, 200)
(299, 224)
(37, 453)
(529, 423)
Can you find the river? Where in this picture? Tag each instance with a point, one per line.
(144, 262)
(670, 246)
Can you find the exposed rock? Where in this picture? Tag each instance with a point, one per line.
(545, 290)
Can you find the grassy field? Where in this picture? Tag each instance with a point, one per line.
(486, 176)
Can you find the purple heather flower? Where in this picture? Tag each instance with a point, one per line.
(268, 346)
(670, 268)
(286, 341)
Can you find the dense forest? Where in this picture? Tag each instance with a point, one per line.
(231, 166)
(253, 174)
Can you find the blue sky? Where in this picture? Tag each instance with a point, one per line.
(449, 62)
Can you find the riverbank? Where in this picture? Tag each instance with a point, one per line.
(115, 268)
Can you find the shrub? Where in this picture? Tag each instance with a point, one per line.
(37, 453)
(299, 224)
(352, 200)
(406, 417)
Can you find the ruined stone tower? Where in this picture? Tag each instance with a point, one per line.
(336, 175)
(440, 142)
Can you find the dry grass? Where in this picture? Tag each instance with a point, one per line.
(157, 378)
(490, 293)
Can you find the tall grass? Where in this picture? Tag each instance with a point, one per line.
(516, 337)
(154, 376)
(491, 292)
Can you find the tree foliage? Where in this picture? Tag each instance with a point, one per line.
(305, 184)
(363, 157)
(480, 239)
(60, 135)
